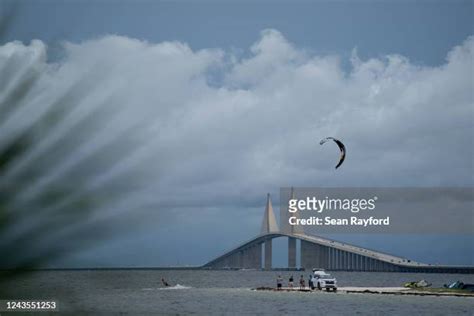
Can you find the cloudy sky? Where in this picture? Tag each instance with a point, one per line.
(229, 101)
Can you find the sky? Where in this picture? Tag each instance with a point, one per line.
(228, 102)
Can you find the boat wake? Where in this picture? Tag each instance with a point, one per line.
(175, 287)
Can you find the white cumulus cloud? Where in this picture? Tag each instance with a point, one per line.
(258, 128)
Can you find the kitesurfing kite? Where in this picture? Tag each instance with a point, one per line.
(342, 148)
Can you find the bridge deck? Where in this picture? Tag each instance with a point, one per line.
(406, 264)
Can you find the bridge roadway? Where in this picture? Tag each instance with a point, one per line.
(319, 252)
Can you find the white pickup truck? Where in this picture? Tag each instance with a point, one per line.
(322, 280)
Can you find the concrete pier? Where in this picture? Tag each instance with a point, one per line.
(268, 254)
(291, 252)
(314, 255)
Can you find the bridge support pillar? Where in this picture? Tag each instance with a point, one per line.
(258, 256)
(252, 257)
(314, 255)
(309, 255)
(291, 252)
(268, 254)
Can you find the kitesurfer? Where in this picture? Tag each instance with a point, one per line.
(166, 284)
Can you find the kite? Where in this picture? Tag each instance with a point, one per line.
(342, 148)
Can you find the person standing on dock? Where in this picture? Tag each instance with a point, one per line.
(290, 282)
(279, 282)
(302, 284)
(310, 282)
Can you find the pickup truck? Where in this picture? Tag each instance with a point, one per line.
(322, 280)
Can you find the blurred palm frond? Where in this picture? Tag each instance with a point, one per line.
(53, 196)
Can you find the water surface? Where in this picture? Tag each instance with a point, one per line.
(229, 292)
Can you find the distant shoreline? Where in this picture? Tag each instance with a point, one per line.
(107, 268)
(145, 268)
(183, 268)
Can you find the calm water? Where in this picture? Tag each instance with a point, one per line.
(228, 292)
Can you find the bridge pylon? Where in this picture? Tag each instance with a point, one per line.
(269, 225)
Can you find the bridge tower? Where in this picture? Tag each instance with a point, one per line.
(269, 225)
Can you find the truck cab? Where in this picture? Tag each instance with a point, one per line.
(322, 280)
